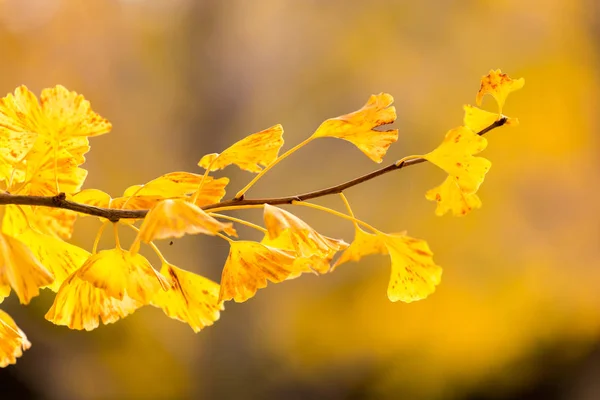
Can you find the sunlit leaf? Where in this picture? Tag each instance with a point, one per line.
(122, 274)
(249, 266)
(12, 341)
(364, 243)
(191, 298)
(175, 218)
(21, 270)
(477, 119)
(499, 85)
(358, 127)
(455, 156)
(212, 191)
(304, 240)
(250, 154)
(80, 305)
(450, 197)
(414, 274)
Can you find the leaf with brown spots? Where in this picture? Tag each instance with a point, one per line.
(191, 298)
(449, 197)
(499, 85)
(358, 127)
(455, 156)
(250, 265)
(414, 274)
(250, 154)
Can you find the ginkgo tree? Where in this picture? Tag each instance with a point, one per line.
(43, 143)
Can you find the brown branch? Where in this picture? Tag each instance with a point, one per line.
(114, 215)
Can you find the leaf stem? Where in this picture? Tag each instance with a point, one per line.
(336, 213)
(239, 221)
(241, 193)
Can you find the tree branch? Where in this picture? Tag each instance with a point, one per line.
(114, 215)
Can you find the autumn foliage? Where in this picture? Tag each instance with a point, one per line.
(43, 143)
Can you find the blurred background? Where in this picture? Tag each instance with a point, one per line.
(517, 314)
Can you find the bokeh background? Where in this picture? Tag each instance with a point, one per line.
(518, 312)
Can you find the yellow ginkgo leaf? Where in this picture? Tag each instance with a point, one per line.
(80, 305)
(67, 114)
(449, 197)
(364, 243)
(93, 197)
(173, 184)
(414, 274)
(4, 291)
(358, 127)
(191, 298)
(455, 156)
(304, 240)
(20, 269)
(250, 154)
(12, 340)
(499, 85)
(175, 218)
(120, 273)
(212, 191)
(477, 119)
(249, 266)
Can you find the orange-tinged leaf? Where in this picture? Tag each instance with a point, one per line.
(80, 305)
(364, 243)
(20, 269)
(358, 127)
(175, 218)
(499, 85)
(4, 291)
(120, 273)
(450, 197)
(455, 156)
(477, 119)
(191, 298)
(304, 240)
(12, 340)
(250, 154)
(414, 274)
(212, 191)
(249, 266)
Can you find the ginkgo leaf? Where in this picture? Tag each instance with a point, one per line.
(120, 273)
(4, 291)
(250, 154)
(364, 243)
(414, 274)
(173, 184)
(248, 267)
(93, 197)
(477, 119)
(80, 305)
(358, 127)
(21, 270)
(455, 156)
(212, 191)
(175, 218)
(12, 340)
(305, 241)
(450, 197)
(191, 298)
(499, 85)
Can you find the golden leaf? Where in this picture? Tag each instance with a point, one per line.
(414, 274)
(305, 241)
(499, 85)
(477, 119)
(358, 127)
(120, 273)
(212, 191)
(175, 218)
(455, 156)
(80, 305)
(364, 243)
(249, 266)
(191, 298)
(450, 197)
(20, 269)
(12, 341)
(250, 153)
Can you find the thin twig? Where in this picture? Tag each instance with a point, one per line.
(114, 215)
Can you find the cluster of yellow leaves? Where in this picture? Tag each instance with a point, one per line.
(43, 146)
(456, 154)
